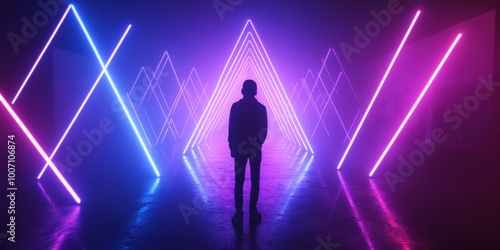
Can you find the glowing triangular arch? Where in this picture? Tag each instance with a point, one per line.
(249, 53)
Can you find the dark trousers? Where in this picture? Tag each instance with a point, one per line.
(240, 163)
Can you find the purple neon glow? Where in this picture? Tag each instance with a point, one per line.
(41, 55)
(356, 132)
(85, 100)
(417, 102)
(263, 77)
(117, 94)
(288, 105)
(39, 149)
(209, 121)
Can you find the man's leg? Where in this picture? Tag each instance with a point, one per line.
(255, 177)
(239, 171)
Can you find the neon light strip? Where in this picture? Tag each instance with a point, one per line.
(142, 71)
(41, 54)
(139, 120)
(280, 100)
(415, 105)
(85, 100)
(225, 92)
(352, 124)
(285, 102)
(39, 149)
(127, 113)
(329, 100)
(286, 120)
(335, 89)
(276, 107)
(348, 81)
(351, 142)
(176, 101)
(214, 96)
(308, 92)
(203, 130)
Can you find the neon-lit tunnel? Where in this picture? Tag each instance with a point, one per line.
(382, 126)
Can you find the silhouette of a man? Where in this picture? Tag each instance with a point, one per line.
(247, 133)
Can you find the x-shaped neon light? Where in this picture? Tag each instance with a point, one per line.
(103, 72)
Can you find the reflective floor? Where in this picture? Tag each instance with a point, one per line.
(305, 203)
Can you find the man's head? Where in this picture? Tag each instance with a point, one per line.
(249, 88)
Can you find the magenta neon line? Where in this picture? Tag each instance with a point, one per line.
(85, 101)
(415, 105)
(351, 142)
(41, 55)
(39, 149)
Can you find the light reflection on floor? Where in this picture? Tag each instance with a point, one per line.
(305, 204)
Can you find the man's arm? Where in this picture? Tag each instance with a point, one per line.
(230, 137)
(263, 133)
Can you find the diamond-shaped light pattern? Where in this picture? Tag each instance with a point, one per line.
(197, 99)
(331, 103)
(249, 59)
(164, 106)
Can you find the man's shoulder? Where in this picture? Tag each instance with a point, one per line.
(261, 105)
